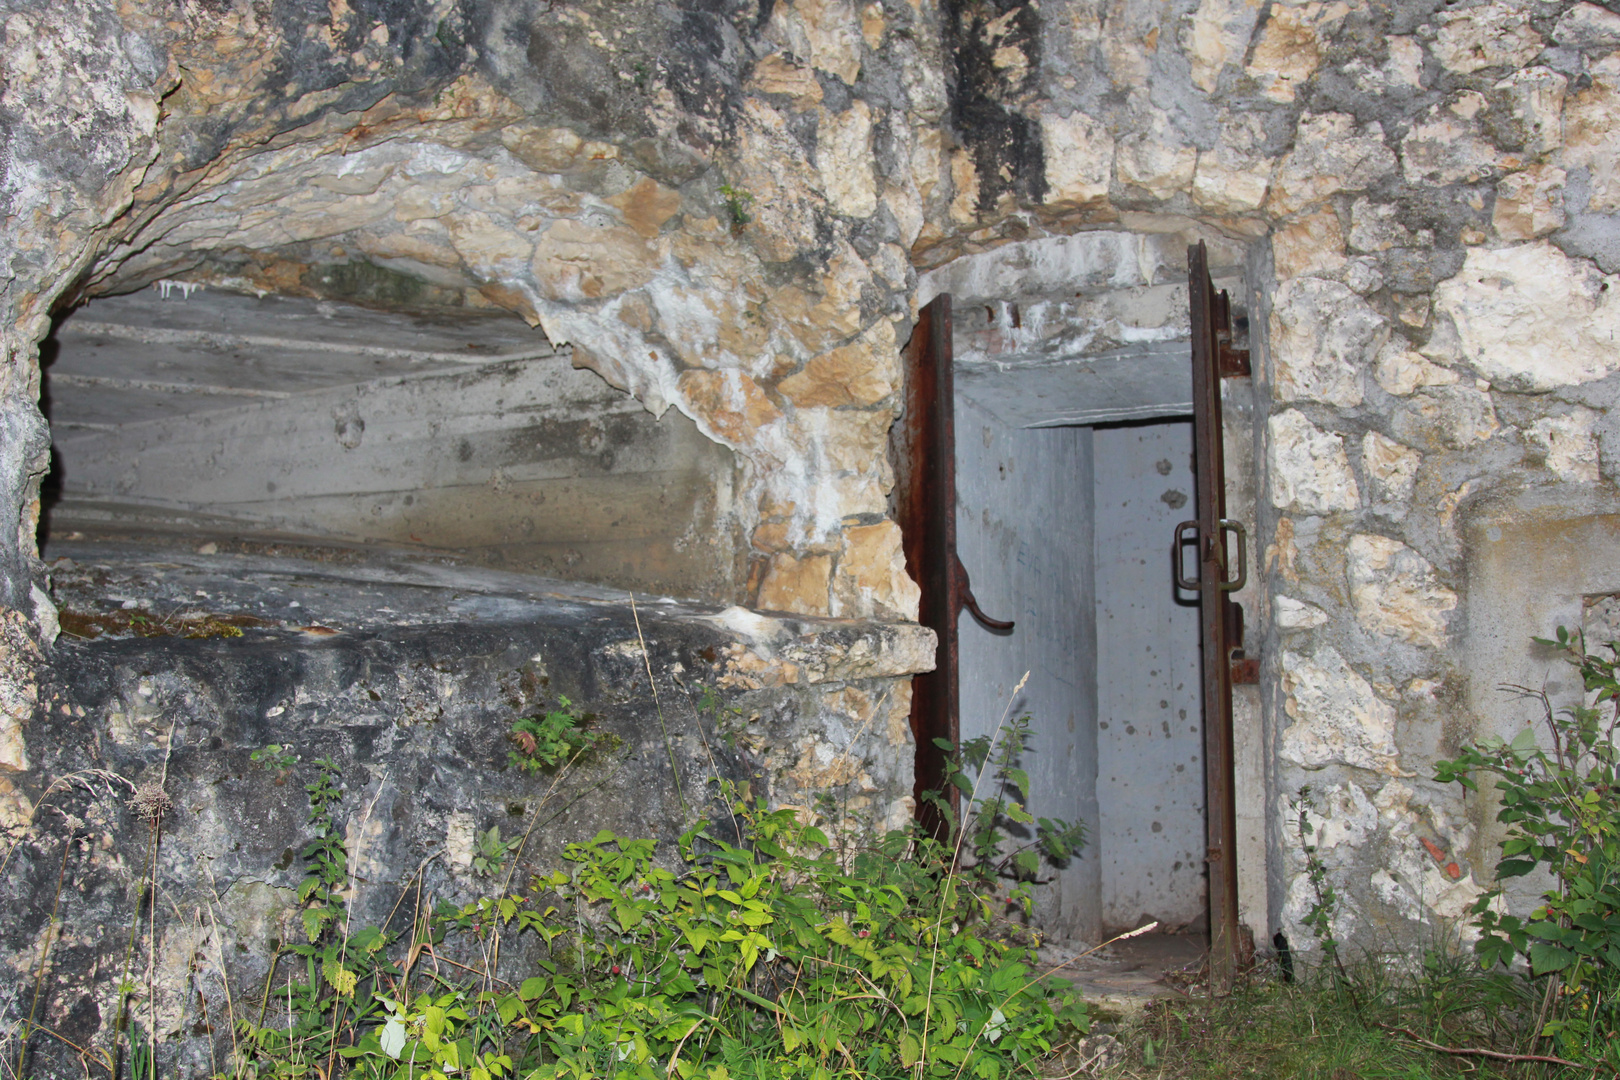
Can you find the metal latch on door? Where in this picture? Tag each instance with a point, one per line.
(1245, 669)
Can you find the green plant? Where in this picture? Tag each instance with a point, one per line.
(738, 202)
(340, 970)
(1325, 902)
(763, 959)
(275, 757)
(491, 851)
(546, 741)
(1562, 810)
(1000, 816)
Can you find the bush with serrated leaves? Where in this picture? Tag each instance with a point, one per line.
(761, 952)
(1562, 809)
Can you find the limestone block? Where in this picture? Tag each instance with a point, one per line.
(826, 32)
(928, 162)
(1309, 470)
(1395, 591)
(576, 260)
(1532, 318)
(814, 320)
(1290, 47)
(19, 688)
(776, 74)
(1323, 336)
(1592, 135)
(1313, 244)
(1344, 817)
(1529, 203)
(1233, 176)
(771, 168)
(1218, 35)
(727, 404)
(1447, 147)
(487, 244)
(546, 150)
(1229, 184)
(1079, 159)
(797, 585)
(1336, 718)
(1405, 65)
(870, 581)
(1567, 445)
(1390, 467)
(1534, 99)
(1377, 227)
(861, 373)
(1157, 160)
(1495, 35)
(851, 440)
(964, 207)
(1457, 416)
(1362, 274)
(1588, 26)
(1330, 155)
(844, 160)
(1400, 371)
(646, 206)
(873, 24)
(1291, 614)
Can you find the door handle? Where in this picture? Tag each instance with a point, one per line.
(964, 590)
(1189, 532)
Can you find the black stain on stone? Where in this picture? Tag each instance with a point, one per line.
(1174, 499)
(1005, 144)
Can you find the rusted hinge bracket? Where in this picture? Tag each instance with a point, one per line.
(1232, 362)
(1229, 362)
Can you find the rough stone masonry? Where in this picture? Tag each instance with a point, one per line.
(724, 207)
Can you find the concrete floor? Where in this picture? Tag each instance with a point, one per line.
(1127, 975)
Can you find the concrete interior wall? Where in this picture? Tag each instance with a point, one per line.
(1024, 519)
(1150, 772)
(1066, 530)
(215, 414)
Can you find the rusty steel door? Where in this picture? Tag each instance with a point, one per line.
(923, 448)
(1220, 571)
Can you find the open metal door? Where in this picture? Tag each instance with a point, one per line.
(1220, 570)
(923, 448)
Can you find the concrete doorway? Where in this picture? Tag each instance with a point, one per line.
(1074, 450)
(1068, 529)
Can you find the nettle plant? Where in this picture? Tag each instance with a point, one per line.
(1562, 809)
(778, 955)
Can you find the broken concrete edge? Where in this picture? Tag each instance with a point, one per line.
(695, 705)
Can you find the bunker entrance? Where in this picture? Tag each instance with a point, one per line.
(195, 417)
(1074, 467)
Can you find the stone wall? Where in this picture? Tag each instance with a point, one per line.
(723, 208)
(407, 678)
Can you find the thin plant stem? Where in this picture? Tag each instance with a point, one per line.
(669, 747)
(45, 954)
(947, 892)
(129, 951)
(219, 955)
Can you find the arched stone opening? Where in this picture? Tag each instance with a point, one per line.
(1074, 465)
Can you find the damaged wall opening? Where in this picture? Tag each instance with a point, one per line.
(207, 416)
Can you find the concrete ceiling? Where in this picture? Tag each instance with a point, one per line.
(173, 350)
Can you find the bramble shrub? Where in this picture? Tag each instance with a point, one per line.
(782, 955)
(1562, 810)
